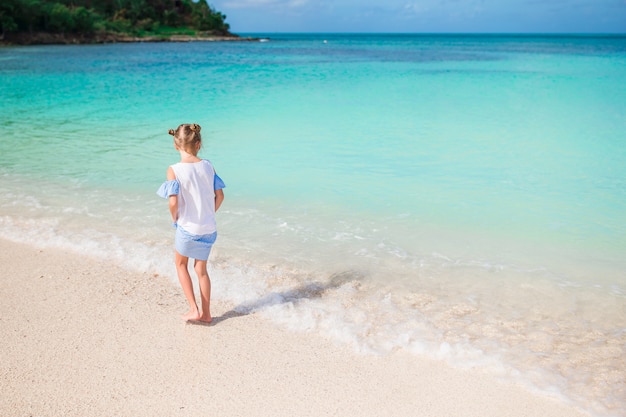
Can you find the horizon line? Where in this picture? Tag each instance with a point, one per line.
(440, 33)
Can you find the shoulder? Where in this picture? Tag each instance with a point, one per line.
(208, 164)
(171, 175)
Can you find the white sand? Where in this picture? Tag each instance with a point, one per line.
(80, 337)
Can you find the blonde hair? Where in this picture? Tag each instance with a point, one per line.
(187, 137)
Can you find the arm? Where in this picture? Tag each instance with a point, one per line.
(219, 197)
(173, 199)
(173, 203)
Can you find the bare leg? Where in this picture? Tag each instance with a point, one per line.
(185, 282)
(205, 289)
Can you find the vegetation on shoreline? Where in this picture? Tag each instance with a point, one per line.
(62, 21)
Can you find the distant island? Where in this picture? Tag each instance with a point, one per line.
(28, 22)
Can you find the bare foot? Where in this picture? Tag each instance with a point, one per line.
(205, 318)
(192, 315)
(202, 321)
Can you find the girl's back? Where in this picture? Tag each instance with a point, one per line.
(197, 196)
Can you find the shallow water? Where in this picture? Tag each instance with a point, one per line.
(461, 197)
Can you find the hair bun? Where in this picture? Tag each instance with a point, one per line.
(171, 132)
(195, 128)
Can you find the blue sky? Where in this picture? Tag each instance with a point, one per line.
(520, 16)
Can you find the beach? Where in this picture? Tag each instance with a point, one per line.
(413, 225)
(81, 336)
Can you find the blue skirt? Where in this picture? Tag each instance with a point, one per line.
(194, 246)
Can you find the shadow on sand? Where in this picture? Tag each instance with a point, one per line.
(306, 291)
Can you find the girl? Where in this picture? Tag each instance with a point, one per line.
(195, 193)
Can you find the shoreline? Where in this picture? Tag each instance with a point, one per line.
(109, 38)
(85, 336)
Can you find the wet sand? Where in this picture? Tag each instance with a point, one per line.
(82, 337)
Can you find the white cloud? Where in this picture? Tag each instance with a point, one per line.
(458, 9)
(415, 8)
(263, 4)
(425, 15)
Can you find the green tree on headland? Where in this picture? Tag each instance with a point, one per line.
(121, 17)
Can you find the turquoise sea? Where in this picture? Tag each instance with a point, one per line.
(457, 197)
